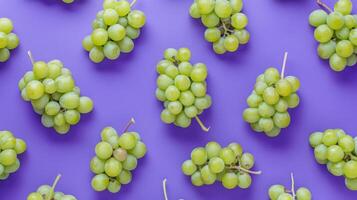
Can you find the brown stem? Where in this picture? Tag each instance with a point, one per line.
(131, 122)
(322, 4)
(240, 168)
(203, 127)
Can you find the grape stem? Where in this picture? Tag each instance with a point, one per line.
(203, 127)
(292, 185)
(31, 57)
(53, 187)
(132, 3)
(322, 4)
(164, 188)
(353, 157)
(131, 122)
(284, 65)
(226, 30)
(240, 168)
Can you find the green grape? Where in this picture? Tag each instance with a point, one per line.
(282, 120)
(136, 19)
(330, 138)
(182, 82)
(139, 150)
(122, 7)
(97, 165)
(239, 21)
(350, 22)
(132, 33)
(260, 87)
(120, 154)
(242, 35)
(216, 165)
(281, 106)
(283, 87)
(199, 72)
(344, 48)
(171, 71)
(208, 177)
(316, 138)
(227, 155)
(126, 45)
(275, 191)
(34, 196)
(85, 105)
(6, 25)
(352, 60)
(3, 40)
(318, 17)
(167, 117)
(236, 148)
(20, 146)
(274, 132)
(50, 86)
(247, 160)
(116, 32)
(320, 153)
(353, 36)
(87, 42)
(114, 186)
(213, 149)
(69, 100)
(251, 115)
(112, 167)
(350, 169)
(164, 81)
(205, 6)
(347, 143)
(267, 124)
(41, 102)
(285, 196)
(100, 182)
(218, 46)
(336, 168)
(335, 153)
(271, 76)
(270, 95)
(175, 107)
(103, 150)
(62, 129)
(185, 68)
(172, 93)
(184, 54)
(188, 167)
(96, 55)
(127, 141)
(236, 5)
(231, 43)
(244, 180)
(12, 41)
(223, 8)
(230, 180)
(199, 156)
(198, 89)
(130, 163)
(196, 179)
(212, 34)
(335, 20)
(110, 16)
(194, 12)
(8, 157)
(254, 100)
(343, 6)
(35, 89)
(326, 50)
(124, 177)
(99, 36)
(54, 69)
(64, 83)
(351, 184)
(47, 121)
(343, 33)
(59, 119)
(323, 33)
(111, 50)
(191, 111)
(72, 117)
(211, 20)
(293, 100)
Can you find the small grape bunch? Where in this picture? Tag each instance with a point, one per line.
(8, 40)
(116, 156)
(270, 100)
(182, 87)
(47, 192)
(280, 192)
(338, 151)
(225, 23)
(52, 92)
(228, 165)
(336, 33)
(114, 29)
(10, 148)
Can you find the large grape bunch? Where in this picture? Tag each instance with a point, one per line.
(337, 34)
(270, 100)
(8, 40)
(338, 151)
(10, 148)
(52, 92)
(225, 23)
(229, 165)
(114, 30)
(280, 192)
(47, 192)
(116, 156)
(182, 87)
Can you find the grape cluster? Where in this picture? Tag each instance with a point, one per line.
(224, 22)
(8, 40)
(269, 102)
(114, 30)
(338, 151)
(10, 148)
(182, 87)
(228, 165)
(52, 92)
(116, 156)
(280, 192)
(47, 192)
(337, 34)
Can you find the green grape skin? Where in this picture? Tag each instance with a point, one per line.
(254, 100)
(242, 35)
(132, 33)
(34, 196)
(344, 48)
(194, 12)
(85, 105)
(347, 143)
(293, 100)
(205, 6)
(72, 117)
(223, 8)
(282, 120)
(212, 34)
(124, 177)
(239, 21)
(247, 160)
(87, 43)
(295, 83)
(350, 22)
(69, 100)
(8, 157)
(182, 82)
(47, 121)
(171, 71)
(12, 41)
(335, 20)
(353, 36)
(164, 81)
(213, 149)
(111, 50)
(188, 168)
(185, 68)
(99, 36)
(320, 153)
(231, 43)
(112, 167)
(198, 89)
(191, 111)
(199, 72)
(330, 138)
(64, 83)
(285, 196)
(230, 180)
(267, 124)
(196, 179)
(227, 155)
(350, 169)
(218, 46)
(184, 54)
(351, 184)
(114, 186)
(97, 165)
(110, 16)
(35, 89)
(50, 86)
(335, 153)
(326, 50)
(251, 115)
(236, 5)
(6, 25)
(323, 33)
(236, 148)
(41, 102)
(244, 180)
(122, 8)
(281, 106)
(283, 87)
(136, 19)
(126, 45)
(139, 150)
(270, 95)
(336, 168)
(208, 177)
(343, 33)
(62, 129)
(199, 156)
(271, 76)
(352, 60)
(20, 146)
(167, 117)
(100, 182)
(318, 17)
(103, 150)
(275, 191)
(96, 55)
(216, 165)
(343, 6)
(3, 40)
(260, 87)
(316, 139)
(130, 163)
(211, 20)
(127, 141)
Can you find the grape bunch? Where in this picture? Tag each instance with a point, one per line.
(228, 165)
(10, 148)
(116, 156)
(52, 92)
(8, 40)
(280, 192)
(114, 29)
(338, 151)
(182, 87)
(225, 23)
(336, 33)
(47, 192)
(270, 100)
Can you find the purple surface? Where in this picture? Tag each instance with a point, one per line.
(125, 88)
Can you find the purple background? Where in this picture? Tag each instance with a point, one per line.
(125, 88)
